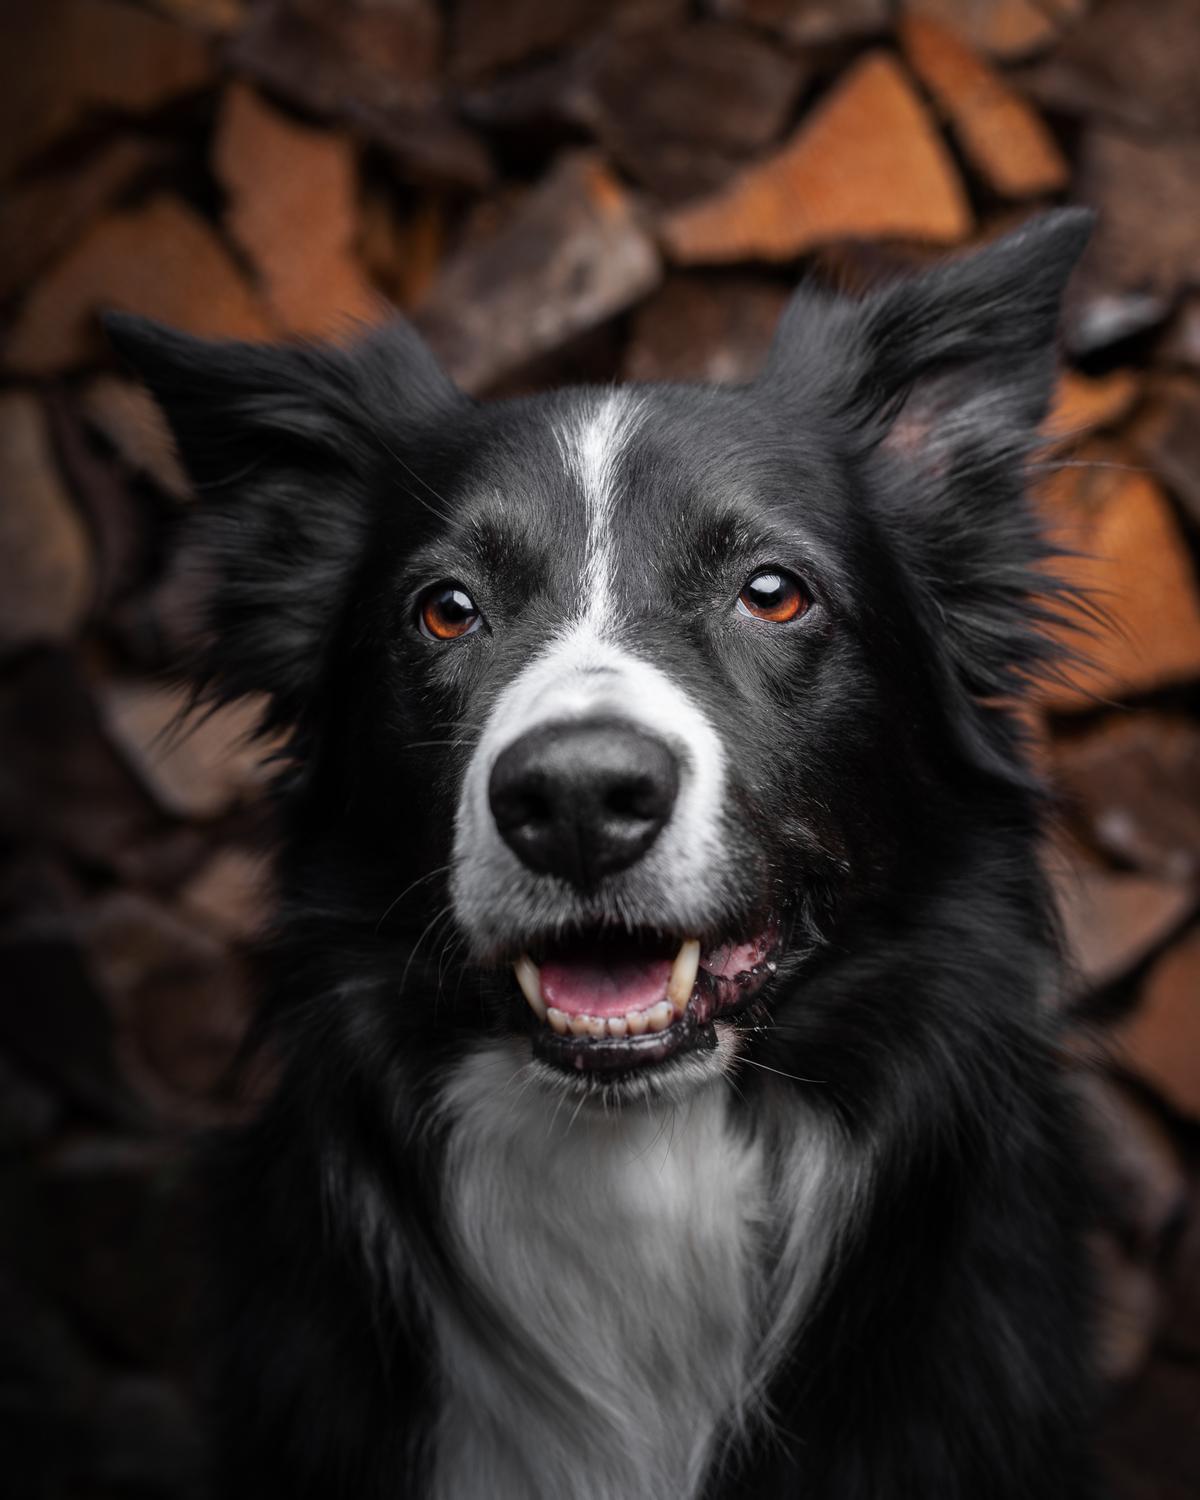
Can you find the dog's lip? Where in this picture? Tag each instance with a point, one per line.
(611, 1002)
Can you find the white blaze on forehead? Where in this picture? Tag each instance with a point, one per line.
(592, 446)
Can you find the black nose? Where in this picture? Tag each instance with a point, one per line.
(583, 800)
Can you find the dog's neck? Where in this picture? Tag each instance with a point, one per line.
(640, 1271)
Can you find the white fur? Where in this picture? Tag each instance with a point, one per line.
(642, 1271)
(592, 449)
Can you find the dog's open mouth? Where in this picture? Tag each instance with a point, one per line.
(615, 1001)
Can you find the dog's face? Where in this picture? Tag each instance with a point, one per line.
(657, 684)
(648, 659)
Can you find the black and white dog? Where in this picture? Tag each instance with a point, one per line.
(668, 1104)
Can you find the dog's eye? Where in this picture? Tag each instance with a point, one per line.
(447, 612)
(774, 595)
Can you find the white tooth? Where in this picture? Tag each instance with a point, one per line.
(617, 1025)
(660, 1016)
(580, 1025)
(683, 974)
(597, 1026)
(557, 1019)
(636, 1021)
(530, 981)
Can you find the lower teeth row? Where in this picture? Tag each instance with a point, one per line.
(634, 1023)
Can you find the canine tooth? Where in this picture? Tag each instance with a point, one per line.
(636, 1021)
(683, 974)
(580, 1025)
(617, 1025)
(660, 1016)
(557, 1019)
(530, 981)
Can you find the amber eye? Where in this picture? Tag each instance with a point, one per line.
(774, 595)
(447, 612)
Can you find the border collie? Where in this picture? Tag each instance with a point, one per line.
(669, 1104)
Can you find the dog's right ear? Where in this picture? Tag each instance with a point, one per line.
(285, 445)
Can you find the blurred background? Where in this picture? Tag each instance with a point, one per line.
(556, 190)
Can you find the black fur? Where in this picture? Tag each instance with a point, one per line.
(884, 809)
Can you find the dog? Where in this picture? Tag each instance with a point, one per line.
(669, 1103)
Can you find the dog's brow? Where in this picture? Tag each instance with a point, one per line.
(723, 532)
(497, 540)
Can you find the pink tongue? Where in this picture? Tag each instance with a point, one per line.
(594, 984)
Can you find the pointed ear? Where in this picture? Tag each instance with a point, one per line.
(958, 357)
(938, 383)
(286, 446)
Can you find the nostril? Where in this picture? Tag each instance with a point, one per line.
(518, 806)
(641, 799)
(533, 807)
(538, 808)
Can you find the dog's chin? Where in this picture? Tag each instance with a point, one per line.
(633, 1013)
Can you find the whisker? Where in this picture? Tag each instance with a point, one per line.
(408, 469)
(420, 880)
(767, 1069)
(438, 917)
(429, 744)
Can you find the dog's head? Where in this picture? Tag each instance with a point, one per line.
(654, 685)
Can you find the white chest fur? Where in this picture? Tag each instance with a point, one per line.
(641, 1270)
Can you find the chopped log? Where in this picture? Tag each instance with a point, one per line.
(64, 787)
(1128, 66)
(64, 59)
(161, 260)
(429, 147)
(46, 575)
(700, 327)
(1111, 922)
(1169, 435)
(232, 894)
(867, 162)
(1144, 249)
(132, 423)
(402, 251)
(1131, 789)
(809, 22)
(1129, 1308)
(331, 57)
(1004, 28)
(1160, 1042)
(292, 208)
(1085, 404)
(1146, 1190)
(1005, 139)
(1132, 562)
(43, 218)
(194, 766)
(647, 98)
(1181, 342)
(488, 37)
(572, 254)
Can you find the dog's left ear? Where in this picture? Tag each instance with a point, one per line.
(938, 363)
(939, 383)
